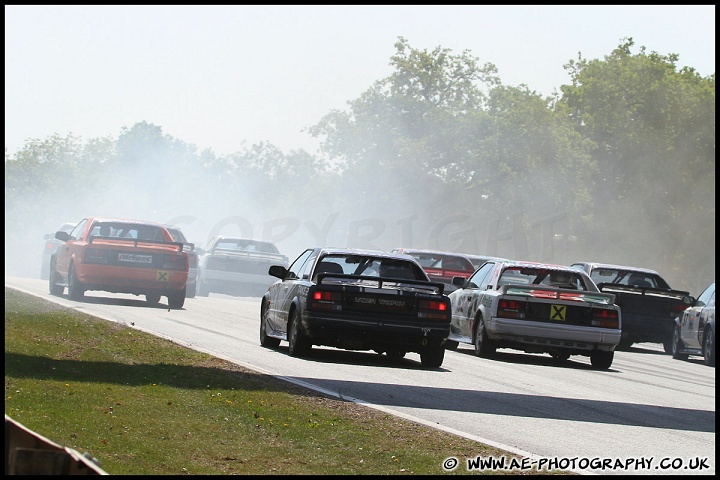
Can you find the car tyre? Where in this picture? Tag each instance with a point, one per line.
(55, 287)
(176, 300)
(300, 345)
(451, 345)
(190, 290)
(484, 347)
(75, 289)
(152, 298)
(432, 357)
(266, 340)
(668, 346)
(601, 359)
(709, 347)
(677, 346)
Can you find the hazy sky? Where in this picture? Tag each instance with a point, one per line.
(224, 77)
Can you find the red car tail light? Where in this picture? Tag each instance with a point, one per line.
(174, 262)
(604, 317)
(677, 308)
(326, 300)
(511, 308)
(434, 309)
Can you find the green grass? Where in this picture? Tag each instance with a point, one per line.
(143, 405)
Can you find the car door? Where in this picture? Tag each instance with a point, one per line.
(66, 250)
(465, 301)
(282, 293)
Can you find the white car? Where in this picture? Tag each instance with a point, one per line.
(535, 308)
(695, 329)
(237, 266)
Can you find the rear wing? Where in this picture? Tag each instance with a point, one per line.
(379, 282)
(543, 291)
(656, 292)
(136, 241)
(252, 254)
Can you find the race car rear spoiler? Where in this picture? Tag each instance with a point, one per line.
(559, 293)
(378, 282)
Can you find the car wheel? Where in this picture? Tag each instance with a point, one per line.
(75, 290)
(190, 290)
(396, 354)
(451, 345)
(300, 345)
(54, 286)
(709, 347)
(152, 298)
(266, 340)
(677, 346)
(668, 346)
(484, 347)
(432, 357)
(176, 300)
(601, 359)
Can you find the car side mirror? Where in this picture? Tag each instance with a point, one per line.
(689, 300)
(277, 271)
(64, 236)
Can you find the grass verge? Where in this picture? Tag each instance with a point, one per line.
(142, 405)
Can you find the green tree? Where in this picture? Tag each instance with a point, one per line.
(653, 127)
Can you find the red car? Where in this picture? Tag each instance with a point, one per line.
(120, 256)
(441, 266)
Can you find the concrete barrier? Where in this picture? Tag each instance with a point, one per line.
(28, 453)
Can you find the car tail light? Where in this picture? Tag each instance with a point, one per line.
(434, 309)
(97, 255)
(677, 308)
(193, 260)
(605, 317)
(458, 273)
(50, 247)
(511, 308)
(174, 262)
(326, 300)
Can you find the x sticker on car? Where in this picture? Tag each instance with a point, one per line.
(557, 312)
(162, 276)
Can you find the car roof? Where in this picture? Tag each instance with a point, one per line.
(245, 239)
(124, 220)
(482, 257)
(617, 267)
(362, 251)
(430, 251)
(530, 264)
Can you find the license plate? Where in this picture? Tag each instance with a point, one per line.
(133, 258)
